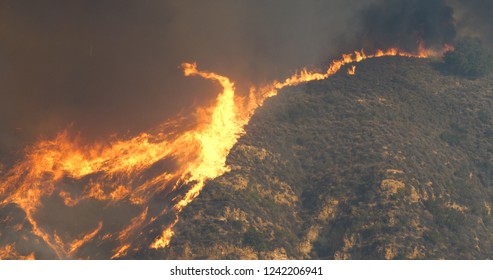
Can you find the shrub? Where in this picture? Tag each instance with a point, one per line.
(455, 136)
(445, 216)
(470, 58)
(236, 224)
(452, 138)
(254, 238)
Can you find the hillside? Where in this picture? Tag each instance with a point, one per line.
(394, 162)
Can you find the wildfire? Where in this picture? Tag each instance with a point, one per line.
(116, 171)
(9, 253)
(352, 70)
(164, 240)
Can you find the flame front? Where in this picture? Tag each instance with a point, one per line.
(119, 172)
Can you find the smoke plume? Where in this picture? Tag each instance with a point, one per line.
(473, 19)
(112, 66)
(407, 24)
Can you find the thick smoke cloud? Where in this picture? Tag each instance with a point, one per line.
(474, 18)
(112, 66)
(406, 24)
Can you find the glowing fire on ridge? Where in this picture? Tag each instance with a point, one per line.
(115, 169)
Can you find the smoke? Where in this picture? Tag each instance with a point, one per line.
(474, 19)
(406, 24)
(112, 66)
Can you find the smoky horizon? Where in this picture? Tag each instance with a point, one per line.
(112, 67)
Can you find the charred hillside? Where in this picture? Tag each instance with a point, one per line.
(394, 162)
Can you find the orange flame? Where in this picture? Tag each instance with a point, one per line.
(352, 70)
(164, 240)
(77, 243)
(9, 253)
(199, 155)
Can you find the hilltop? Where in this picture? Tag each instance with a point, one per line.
(394, 162)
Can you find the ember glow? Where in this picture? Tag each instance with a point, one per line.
(154, 174)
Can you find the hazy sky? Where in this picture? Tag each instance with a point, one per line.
(113, 66)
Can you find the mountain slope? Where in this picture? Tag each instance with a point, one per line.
(394, 162)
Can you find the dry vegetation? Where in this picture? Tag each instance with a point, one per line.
(395, 162)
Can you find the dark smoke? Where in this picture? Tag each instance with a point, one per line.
(475, 19)
(406, 24)
(112, 66)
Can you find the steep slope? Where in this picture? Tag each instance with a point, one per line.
(394, 162)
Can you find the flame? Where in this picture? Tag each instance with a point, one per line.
(120, 252)
(165, 238)
(115, 172)
(77, 243)
(9, 253)
(352, 70)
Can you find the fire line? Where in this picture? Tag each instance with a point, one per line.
(113, 172)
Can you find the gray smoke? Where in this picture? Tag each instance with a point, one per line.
(474, 18)
(406, 24)
(112, 66)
